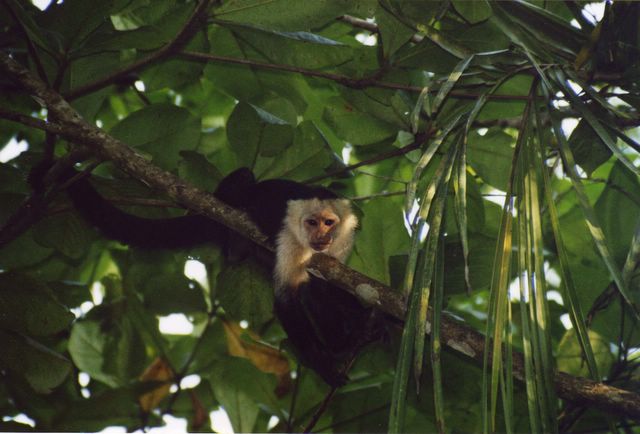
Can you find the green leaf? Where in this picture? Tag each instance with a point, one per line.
(124, 350)
(30, 307)
(177, 73)
(588, 149)
(593, 224)
(67, 233)
(310, 153)
(490, 156)
(570, 356)
(87, 347)
(237, 81)
(571, 294)
(41, 367)
(252, 131)
(379, 239)
(593, 120)
(197, 170)
(354, 126)
(239, 386)
(111, 407)
(302, 49)
(246, 292)
(393, 32)
(159, 277)
(473, 11)
(162, 130)
(282, 14)
(618, 208)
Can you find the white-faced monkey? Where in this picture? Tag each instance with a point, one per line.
(325, 325)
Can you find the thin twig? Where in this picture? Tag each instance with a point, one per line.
(378, 195)
(294, 397)
(327, 399)
(367, 413)
(320, 411)
(354, 83)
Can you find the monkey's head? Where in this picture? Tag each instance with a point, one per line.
(310, 226)
(323, 225)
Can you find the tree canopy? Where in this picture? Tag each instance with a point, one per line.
(491, 152)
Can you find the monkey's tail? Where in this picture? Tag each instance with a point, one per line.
(177, 232)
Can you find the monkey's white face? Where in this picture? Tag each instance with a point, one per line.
(320, 228)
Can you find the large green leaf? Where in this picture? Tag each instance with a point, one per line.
(30, 307)
(87, 347)
(618, 208)
(379, 239)
(309, 153)
(393, 32)
(474, 11)
(235, 80)
(246, 292)
(66, 233)
(490, 156)
(306, 50)
(252, 132)
(284, 15)
(588, 149)
(161, 130)
(111, 407)
(40, 366)
(355, 126)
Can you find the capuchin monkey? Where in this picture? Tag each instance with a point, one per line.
(325, 325)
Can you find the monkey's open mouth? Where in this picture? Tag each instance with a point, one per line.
(319, 247)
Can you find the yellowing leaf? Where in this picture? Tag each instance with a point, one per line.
(159, 371)
(263, 357)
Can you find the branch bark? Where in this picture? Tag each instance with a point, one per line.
(458, 337)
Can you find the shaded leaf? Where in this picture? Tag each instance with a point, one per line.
(41, 367)
(30, 307)
(162, 130)
(246, 293)
(588, 149)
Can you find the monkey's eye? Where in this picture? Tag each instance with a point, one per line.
(329, 222)
(311, 222)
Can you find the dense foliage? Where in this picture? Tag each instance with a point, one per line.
(508, 129)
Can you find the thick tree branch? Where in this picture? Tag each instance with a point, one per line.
(457, 336)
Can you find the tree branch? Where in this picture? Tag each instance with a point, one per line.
(458, 337)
